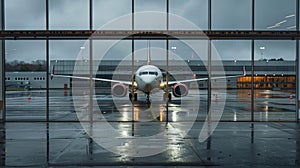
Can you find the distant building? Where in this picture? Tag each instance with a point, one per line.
(267, 75)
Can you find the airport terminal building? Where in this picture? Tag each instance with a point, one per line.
(273, 75)
(224, 84)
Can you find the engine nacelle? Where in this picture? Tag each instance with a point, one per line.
(119, 90)
(180, 90)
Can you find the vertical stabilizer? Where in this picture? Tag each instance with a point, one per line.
(148, 56)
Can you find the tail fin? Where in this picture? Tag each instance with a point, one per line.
(52, 72)
(148, 56)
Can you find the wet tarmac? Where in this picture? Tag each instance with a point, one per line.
(268, 105)
(127, 136)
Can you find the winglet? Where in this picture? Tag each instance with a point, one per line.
(52, 73)
(148, 57)
(244, 70)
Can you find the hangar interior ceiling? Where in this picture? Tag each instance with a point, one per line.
(264, 38)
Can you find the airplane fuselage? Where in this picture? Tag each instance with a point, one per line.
(147, 78)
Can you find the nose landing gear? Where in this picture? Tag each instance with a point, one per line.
(134, 97)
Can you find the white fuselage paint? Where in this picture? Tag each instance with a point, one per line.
(147, 78)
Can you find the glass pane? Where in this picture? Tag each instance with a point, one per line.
(25, 82)
(107, 12)
(24, 137)
(234, 55)
(188, 60)
(195, 11)
(150, 15)
(146, 5)
(25, 15)
(63, 57)
(69, 14)
(275, 14)
(112, 60)
(231, 14)
(275, 80)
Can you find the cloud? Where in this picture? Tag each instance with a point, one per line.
(107, 10)
(24, 50)
(285, 49)
(152, 5)
(231, 14)
(65, 49)
(233, 49)
(195, 11)
(267, 16)
(69, 14)
(74, 14)
(25, 14)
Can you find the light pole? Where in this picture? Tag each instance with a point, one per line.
(262, 48)
(174, 49)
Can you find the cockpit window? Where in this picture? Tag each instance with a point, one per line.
(143, 73)
(153, 73)
(147, 72)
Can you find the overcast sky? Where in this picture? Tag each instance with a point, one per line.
(115, 14)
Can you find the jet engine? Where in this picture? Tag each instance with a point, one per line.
(119, 90)
(180, 90)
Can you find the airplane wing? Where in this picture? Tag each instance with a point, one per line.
(88, 78)
(203, 79)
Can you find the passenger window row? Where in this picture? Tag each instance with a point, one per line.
(39, 78)
(20, 78)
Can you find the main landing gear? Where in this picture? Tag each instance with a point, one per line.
(134, 97)
(169, 96)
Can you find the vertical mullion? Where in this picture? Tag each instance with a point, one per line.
(47, 85)
(91, 14)
(252, 65)
(209, 61)
(132, 65)
(3, 63)
(167, 6)
(252, 82)
(297, 81)
(209, 14)
(91, 63)
(253, 15)
(297, 64)
(47, 62)
(167, 65)
(208, 145)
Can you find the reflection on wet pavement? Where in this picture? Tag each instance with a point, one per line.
(126, 135)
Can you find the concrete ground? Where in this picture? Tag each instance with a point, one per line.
(232, 144)
(223, 138)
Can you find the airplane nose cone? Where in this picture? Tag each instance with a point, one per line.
(148, 79)
(148, 82)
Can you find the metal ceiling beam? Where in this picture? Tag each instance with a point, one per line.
(147, 34)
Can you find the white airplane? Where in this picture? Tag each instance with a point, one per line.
(146, 79)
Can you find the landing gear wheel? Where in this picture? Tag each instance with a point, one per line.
(134, 97)
(169, 96)
(130, 96)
